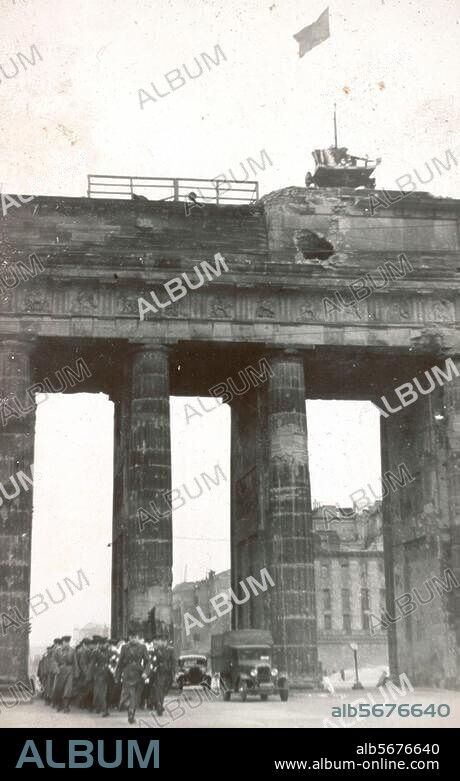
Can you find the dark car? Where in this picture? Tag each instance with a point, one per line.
(243, 659)
(192, 670)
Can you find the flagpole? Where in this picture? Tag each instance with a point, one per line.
(335, 124)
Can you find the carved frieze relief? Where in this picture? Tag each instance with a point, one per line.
(265, 308)
(127, 304)
(317, 305)
(440, 311)
(37, 300)
(221, 306)
(308, 311)
(399, 311)
(84, 301)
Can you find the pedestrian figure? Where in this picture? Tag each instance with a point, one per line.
(114, 690)
(133, 669)
(53, 668)
(159, 680)
(383, 678)
(101, 675)
(63, 688)
(327, 683)
(84, 686)
(43, 670)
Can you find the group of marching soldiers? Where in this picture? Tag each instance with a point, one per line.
(102, 673)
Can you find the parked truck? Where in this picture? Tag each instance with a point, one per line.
(243, 659)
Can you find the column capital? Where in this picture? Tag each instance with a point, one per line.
(285, 353)
(149, 347)
(12, 343)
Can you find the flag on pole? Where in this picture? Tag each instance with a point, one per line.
(314, 34)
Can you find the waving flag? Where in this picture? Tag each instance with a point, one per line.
(314, 34)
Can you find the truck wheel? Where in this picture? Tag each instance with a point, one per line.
(243, 690)
(284, 694)
(264, 697)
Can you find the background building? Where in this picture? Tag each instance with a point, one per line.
(88, 631)
(187, 597)
(350, 585)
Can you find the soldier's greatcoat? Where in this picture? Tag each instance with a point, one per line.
(132, 664)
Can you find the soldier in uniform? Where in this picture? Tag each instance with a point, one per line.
(101, 674)
(63, 688)
(43, 668)
(84, 667)
(145, 699)
(170, 664)
(53, 668)
(114, 689)
(133, 669)
(159, 679)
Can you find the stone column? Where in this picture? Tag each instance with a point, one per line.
(117, 558)
(149, 566)
(452, 544)
(17, 421)
(290, 537)
(392, 437)
(248, 478)
(121, 527)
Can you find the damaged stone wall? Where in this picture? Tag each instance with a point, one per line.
(417, 545)
(284, 257)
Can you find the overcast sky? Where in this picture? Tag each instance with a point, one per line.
(392, 69)
(72, 524)
(390, 66)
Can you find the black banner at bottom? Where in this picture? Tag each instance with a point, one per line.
(202, 751)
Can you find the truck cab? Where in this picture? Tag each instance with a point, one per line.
(244, 661)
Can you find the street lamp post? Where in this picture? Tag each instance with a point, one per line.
(357, 684)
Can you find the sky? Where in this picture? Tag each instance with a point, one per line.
(73, 474)
(391, 68)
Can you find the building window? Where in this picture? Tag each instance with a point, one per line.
(381, 566)
(364, 599)
(327, 622)
(347, 623)
(326, 599)
(346, 599)
(344, 563)
(365, 608)
(325, 569)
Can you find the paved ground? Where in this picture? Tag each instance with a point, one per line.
(192, 709)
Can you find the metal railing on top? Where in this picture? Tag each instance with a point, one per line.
(158, 188)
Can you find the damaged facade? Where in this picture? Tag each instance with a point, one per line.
(298, 247)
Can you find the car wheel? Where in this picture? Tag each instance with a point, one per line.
(243, 691)
(227, 696)
(284, 695)
(264, 697)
